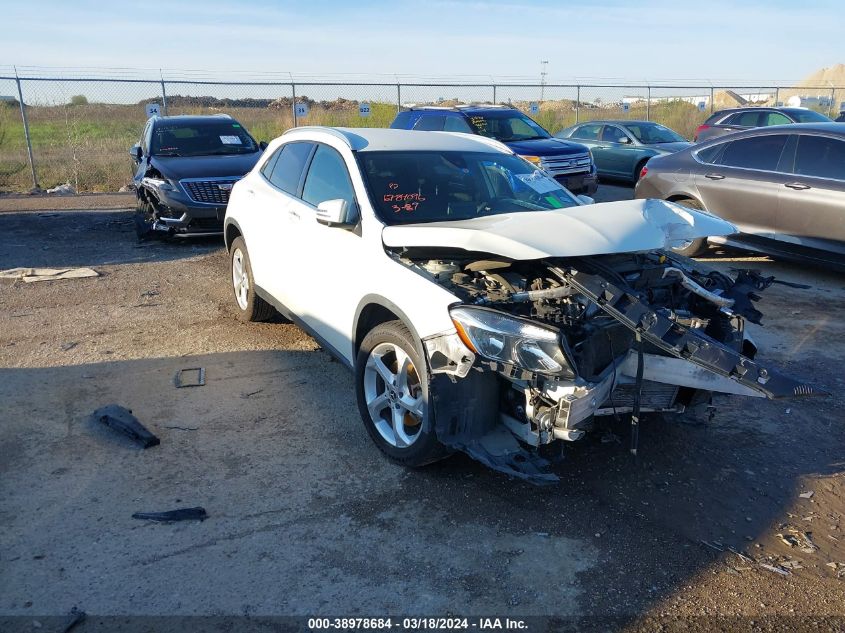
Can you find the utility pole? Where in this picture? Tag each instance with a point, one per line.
(543, 65)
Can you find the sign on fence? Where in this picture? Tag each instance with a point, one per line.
(534, 108)
(701, 106)
(626, 106)
(301, 109)
(364, 109)
(152, 109)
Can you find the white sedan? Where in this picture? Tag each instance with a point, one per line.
(481, 306)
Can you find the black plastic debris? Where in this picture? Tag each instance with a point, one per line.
(121, 420)
(182, 514)
(190, 377)
(75, 617)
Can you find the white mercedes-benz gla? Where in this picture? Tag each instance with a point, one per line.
(481, 306)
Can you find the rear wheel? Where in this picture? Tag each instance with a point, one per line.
(391, 383)
(697, 246)
(250, 306)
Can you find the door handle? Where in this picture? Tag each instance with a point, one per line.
(714, 176)
(798, 186)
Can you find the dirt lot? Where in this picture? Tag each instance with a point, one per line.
(306, 517)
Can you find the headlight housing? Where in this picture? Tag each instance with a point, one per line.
(507, 339)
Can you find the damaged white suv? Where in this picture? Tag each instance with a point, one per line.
(481, 306)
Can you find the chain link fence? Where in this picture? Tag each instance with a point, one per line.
(79, 131)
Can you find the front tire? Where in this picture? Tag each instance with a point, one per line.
(391, 384)
(697, 246)
(145, 217)
(250, 306)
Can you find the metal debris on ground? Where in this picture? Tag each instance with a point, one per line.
(182, 514)
(69, 346)
(121, 419)
(30, 275)
(777, 570)
(806, 495)
(75, 617)
(190, 377)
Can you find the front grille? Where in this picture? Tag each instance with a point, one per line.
(574, 164)
(655, 395)
(210, 191)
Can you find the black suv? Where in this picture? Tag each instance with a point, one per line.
(571, 164)
(185, 167)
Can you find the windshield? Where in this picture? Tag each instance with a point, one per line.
(506, 126)
(652, 133)
(807, 116)
(414, 187)
(201, 139)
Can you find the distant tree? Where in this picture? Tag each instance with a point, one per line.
(77, 100)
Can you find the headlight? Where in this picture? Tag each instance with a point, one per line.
(508, 339)
(534, 160)
(160, 183)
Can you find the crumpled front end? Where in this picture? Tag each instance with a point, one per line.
(544, 347)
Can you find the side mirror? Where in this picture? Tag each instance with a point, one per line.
(624, 140)
(262, 145)
(136, 153)
(336, 213)
(586, 199)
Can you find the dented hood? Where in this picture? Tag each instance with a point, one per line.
(597, 229)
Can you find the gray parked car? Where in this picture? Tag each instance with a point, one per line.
(620, 149)
(724, 122)
(782, 186)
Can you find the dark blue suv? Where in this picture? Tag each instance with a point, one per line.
(569, 163)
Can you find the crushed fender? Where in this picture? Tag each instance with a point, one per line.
(121, 419)
(182, 514)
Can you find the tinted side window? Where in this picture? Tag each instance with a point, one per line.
(456, 124)
(327, 178)
(776, 118)
(821, 157)
(746, 119)
(434, 123)
(402, 121)
(709, 154)
(759, 152)
(612, 134)
(288, 169)
(587, 132)
(267, 169)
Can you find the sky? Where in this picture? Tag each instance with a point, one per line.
(646, 40)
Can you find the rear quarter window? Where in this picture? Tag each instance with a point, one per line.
(757, 152)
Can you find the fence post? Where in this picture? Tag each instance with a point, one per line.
(293, 102)
(712, 101)
(577, 102)
(777, 96)
(648, 104)
(26, 132)
(494, 94)
(832, 99)
(163, 98)
(398, 98)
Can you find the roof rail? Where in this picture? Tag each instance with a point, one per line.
(321, 128)
(457, 108)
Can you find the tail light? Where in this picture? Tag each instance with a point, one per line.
(699, 130)
(643, 172)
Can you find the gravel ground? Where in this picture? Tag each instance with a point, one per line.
(307, 518)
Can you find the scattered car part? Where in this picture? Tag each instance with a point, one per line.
(30, 275)
(190, 377)
(181, 514)
(75, 617)
(121, 419)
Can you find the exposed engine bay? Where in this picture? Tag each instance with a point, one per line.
(627, 334)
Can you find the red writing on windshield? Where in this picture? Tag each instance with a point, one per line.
(403, 197)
